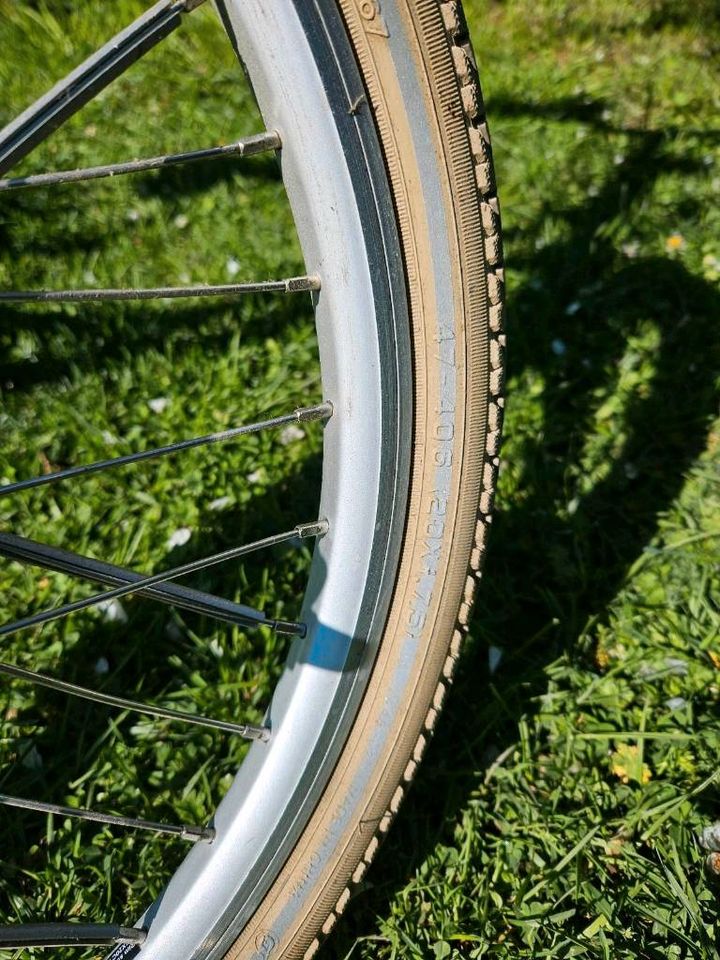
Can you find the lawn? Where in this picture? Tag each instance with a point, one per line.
(557, 811)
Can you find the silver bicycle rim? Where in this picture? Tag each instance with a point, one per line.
(304, 80)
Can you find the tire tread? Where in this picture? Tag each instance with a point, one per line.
(479, 137)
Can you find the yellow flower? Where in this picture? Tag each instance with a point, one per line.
(676, 241)
(625, 763)
(602, 657)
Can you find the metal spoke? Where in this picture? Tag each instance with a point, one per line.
(163, 713)
(287, 285)
(40, 554)
(48, 113)
(184, 831)
(247, 147)
(21, 935)
(303, 530)
(303, 414)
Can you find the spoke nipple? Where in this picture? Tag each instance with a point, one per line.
(316, 529)
(322, 411)
(288, 628)
(257, 733)
(198, 833)
(298, 284)
(258, 143)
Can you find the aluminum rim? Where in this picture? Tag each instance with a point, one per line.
(304, 81)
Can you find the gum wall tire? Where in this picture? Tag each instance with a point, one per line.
(446, 529)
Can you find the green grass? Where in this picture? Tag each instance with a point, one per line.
(557, 811)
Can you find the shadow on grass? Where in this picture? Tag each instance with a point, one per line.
(88, 336)
(594, 111)
(101, 334)
(171, 182)
(68, 733)
(549, 574)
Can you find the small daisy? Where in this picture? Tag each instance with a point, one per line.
(179, 537)
(158, 404)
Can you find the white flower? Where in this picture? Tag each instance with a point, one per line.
(291, 433)
(631, 249)
(158, 404)
(32, 759)
(676, 703)
(558, 347)
(711, 267)
(181, 221)
(179, 538)
(495, 655)
(220, 503)
(232, 266)
(572, 308)
(112, 611)
(173, 631)
(256, 476)
(102, 666)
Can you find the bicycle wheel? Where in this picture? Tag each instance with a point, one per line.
(385, 158)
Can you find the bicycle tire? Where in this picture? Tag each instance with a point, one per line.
(420, 78)
(400, 89)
